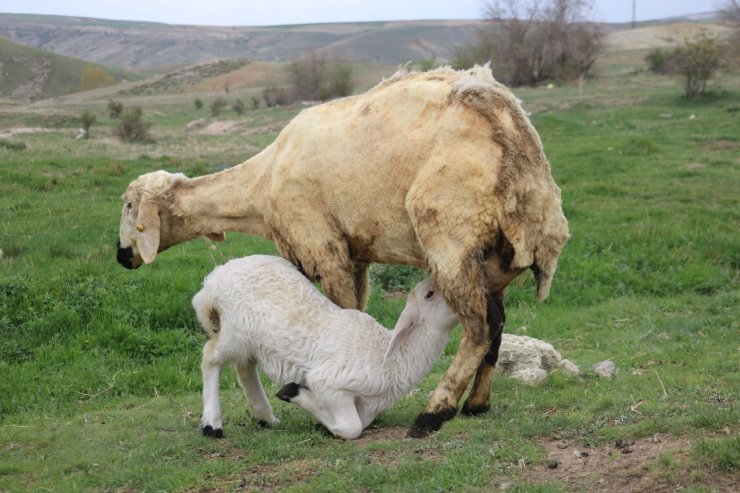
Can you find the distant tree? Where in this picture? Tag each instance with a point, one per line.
(531, 41)
(86, 120)
(115, 109)
(132, 127)
(218, 105)
(95, 77)
(729, 11)
(698, 60)
(239, 107)
(198, 104)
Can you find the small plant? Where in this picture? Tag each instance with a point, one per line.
(132, 127)
(239, 107)
(217, 106)
(115, 109)
(87, 119)
(13, 146)
(275, 96)
(198, 104)
(255, 103)
(427, 64)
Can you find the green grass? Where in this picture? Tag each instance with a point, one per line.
(101, 382)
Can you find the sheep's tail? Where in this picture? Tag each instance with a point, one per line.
(207, 309)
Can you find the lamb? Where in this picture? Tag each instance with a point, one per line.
(338, 364)
(441, 170)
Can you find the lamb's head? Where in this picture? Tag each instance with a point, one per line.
(427, 308)
(147, 223)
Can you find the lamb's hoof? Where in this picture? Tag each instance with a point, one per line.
(427, 423)
(474, 410)
(263, 423)
(288, 391)
(208, 431)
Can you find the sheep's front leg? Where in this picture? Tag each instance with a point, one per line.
(255, 394)
(335, 410)
(211, 369)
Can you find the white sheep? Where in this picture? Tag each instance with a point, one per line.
(441, 170)
(338, 364)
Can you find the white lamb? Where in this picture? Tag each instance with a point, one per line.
(338, 364)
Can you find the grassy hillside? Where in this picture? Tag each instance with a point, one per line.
(96, 355)
(28, 73)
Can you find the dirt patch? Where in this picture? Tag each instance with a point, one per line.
(219, 128)
(370, 435)
(265, 129)
(723, 145)
(21, 130)
(625, 466)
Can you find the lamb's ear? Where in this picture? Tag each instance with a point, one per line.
(405, 325)
(148, 227)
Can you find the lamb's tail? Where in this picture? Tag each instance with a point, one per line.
(207, 309)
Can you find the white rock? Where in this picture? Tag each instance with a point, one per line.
(606, 369)
(530, 360)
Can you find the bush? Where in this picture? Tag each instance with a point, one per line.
(275, 96)
(115, 109)
(316, 78)
(86, 121)
(239, 107)
(255, 102)
(697, 62)
(132, 127)
(217, 106)
(664, 62)
(198, 104)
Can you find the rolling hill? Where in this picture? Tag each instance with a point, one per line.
(141, 44)
(28, 73)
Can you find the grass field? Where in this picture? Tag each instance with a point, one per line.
(100, 365)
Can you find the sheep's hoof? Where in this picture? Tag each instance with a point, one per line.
(208, 431)
(474, 410)
(427, 423)
(263, 423)
(288, 391)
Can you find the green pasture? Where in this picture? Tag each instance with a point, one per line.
(99, 366)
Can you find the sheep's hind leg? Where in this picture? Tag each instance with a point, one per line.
(255, 394)
(478, 401)
(211, 369)
(335, 410)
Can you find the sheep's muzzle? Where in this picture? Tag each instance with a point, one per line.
(125, 256)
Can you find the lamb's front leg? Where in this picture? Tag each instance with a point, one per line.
(211, 369)
(335, 410)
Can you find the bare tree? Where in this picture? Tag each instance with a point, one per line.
(729, 10)
(529, 41)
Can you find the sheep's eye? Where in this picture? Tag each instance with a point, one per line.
(429, 295)
(129, 205)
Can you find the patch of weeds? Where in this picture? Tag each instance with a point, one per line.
(395, 278)
(13, 146)
(722, 455)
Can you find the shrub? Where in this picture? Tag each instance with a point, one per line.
(255, 102)
(217, 106)
(12, 146)
(664, 62)
(427, 64)
(86, 121)
(698, 59)
(132, 127)
(239, 107)
(316, 78)
(198, 104)
(115, 109)
(275, 96)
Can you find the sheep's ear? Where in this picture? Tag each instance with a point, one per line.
(148, 240)
(405, 325)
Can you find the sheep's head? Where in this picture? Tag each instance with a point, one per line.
(147, 224)
(425, 306)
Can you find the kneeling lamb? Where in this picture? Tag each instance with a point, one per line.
(338, 364)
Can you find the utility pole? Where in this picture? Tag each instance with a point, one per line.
(634, 9)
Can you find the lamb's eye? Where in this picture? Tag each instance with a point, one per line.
(429, 295)
(129, 205)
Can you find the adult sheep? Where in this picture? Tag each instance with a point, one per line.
(441, 170)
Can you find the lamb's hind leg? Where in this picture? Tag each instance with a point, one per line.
(255, 394)
(211, 369)
(335, 410)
